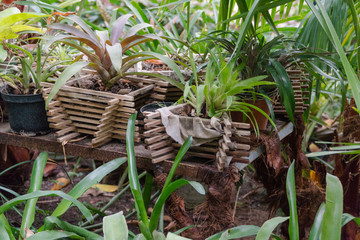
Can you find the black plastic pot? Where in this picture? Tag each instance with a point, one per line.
(151, 107)
(26, 113)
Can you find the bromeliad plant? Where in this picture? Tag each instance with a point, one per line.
(111, 55)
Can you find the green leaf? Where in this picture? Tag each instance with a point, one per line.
(291, 195)
(3, 53)
(115, 53)
(51, 222)
(64, 76)
(134, 177)
(9, 204)
(316, 228)
(268, 227)
(92, 178)
(52, 235)
(5, 229)
(35, 185)
(330, 31)
(237, 232)
(331, 225)
(165, 193)
(115, 227)
(347, 218)
(172, 236)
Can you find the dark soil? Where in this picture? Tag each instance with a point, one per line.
(94, 83)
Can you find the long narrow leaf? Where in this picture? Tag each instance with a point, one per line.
(91, 179)
(268, 227)
(52, 235)
(35, 185)
(133, 174)
(316, 228)
(5, 229)
(51, 222)
(9, 204)
(291, 195)
(331, 225)
(237, 232)
(65, 76)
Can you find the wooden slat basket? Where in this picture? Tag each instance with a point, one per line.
(74, 111)
(300, 84)
(235, 142)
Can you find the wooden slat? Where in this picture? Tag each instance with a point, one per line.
(68, 137)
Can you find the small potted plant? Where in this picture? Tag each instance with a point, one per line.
(206, 116)
(22, 91)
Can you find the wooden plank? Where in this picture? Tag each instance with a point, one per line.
(163, 158)
(86, 109)
(54, 111)
(153, 131)
(68, 137)
(84, 114)
(60, 124)
(141, 91)
(92, 92)
(156, 139)
(65, 131)
(162, 151)
(160, 144)
(81, 102)
(84, 120)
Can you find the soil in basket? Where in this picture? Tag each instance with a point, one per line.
(95, 84)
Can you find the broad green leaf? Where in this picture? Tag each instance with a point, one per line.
(348, 217)
(291, 195)
(237, 232)
(316, 228)
(51, 222)
(115, 53)
(198, 187)
(35, 185)
(52, 235)
(65, 76)
(331, 224)
(3, 53)
(172, 236)
(9, 204)
(115, 227)
(91, 179)
(268, 227)
(5, 229)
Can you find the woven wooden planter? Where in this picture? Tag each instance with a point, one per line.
(300, 84)
(235, 142)
(74, 111)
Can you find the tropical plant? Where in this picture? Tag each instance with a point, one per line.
(33, 71)
(11, 23)
(52, 222)
(109, 58)
(148, 228)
